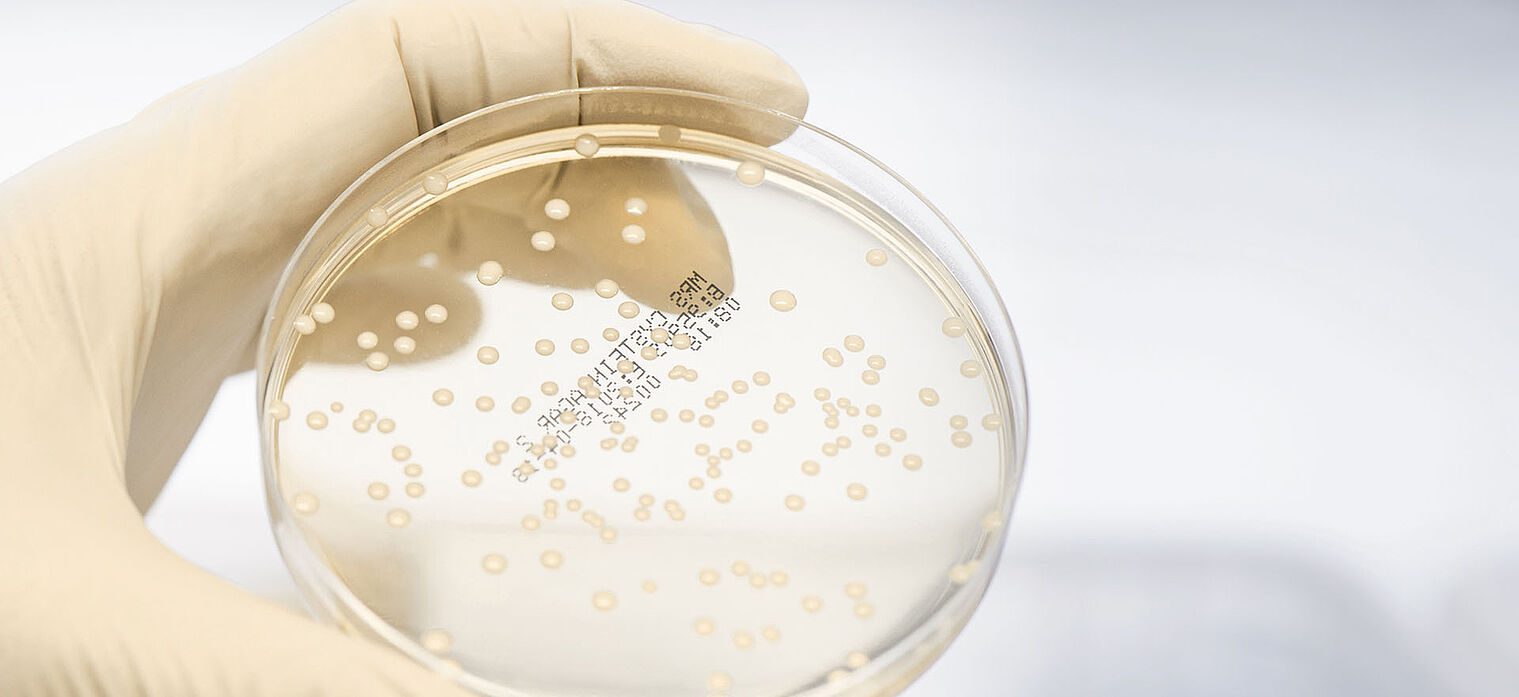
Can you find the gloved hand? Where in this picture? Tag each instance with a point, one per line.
(134, 271)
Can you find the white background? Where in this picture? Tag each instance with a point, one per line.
(1264, 262)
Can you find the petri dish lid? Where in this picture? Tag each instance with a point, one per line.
(641, 391)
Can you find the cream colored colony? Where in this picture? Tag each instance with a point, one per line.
(810, 475)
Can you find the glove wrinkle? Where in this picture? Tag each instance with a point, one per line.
(419, 100)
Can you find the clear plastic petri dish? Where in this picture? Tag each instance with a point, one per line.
(641, 392)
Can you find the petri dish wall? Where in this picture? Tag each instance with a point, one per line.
(641, 392)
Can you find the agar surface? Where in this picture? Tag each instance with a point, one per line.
(760, 464)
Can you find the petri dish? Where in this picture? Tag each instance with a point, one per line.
(641, 392)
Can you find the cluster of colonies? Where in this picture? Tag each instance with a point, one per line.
(835, 411)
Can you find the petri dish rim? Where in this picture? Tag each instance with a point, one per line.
(911, 653)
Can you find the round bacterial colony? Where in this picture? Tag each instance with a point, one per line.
(650, 413)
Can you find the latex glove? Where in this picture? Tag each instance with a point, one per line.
(134, 270)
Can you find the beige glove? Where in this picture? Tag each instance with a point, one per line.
(134, 271)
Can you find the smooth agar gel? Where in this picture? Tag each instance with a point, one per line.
(640, 409)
